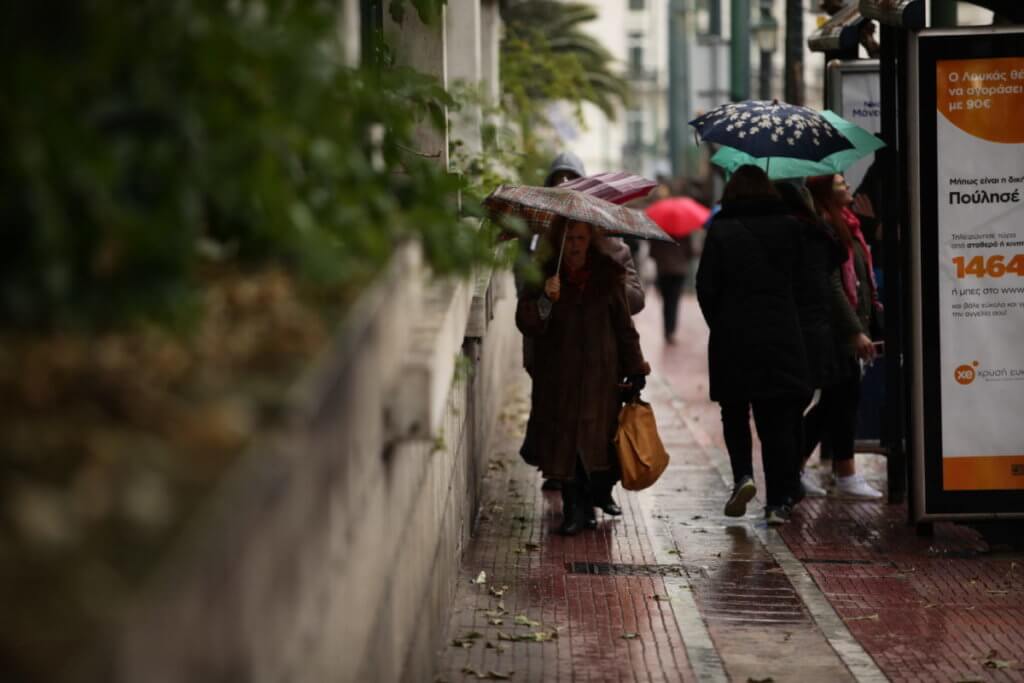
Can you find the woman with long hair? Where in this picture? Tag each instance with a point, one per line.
(816, 293)
(585, 344)
(858, 310)
(756, 357)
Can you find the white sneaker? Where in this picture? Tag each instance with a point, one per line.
(811, 487)
(854, 486)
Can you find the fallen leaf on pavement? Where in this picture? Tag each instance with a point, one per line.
(630, 636)
(991, 662)
(871, 617)
(480, 578)
(523, 620)
(540, 636)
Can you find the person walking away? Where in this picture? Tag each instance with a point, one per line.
(756, 357)
(565, 167)
(673, 262)
(815, 295)
(859, 311)
(585, 344)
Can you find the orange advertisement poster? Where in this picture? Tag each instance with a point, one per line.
(983, 473)
(983, 97)
(979, 149)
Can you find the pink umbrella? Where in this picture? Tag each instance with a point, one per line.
(617, 188)
(678, 216)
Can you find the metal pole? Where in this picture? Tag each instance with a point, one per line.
(739, 51)
(715, 17)
(678, 88)
(764, 78)
(794, 80)
(944, 13)
(896, 426)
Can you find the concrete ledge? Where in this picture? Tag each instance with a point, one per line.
(330, 552)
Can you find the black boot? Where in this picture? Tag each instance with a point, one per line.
(573, 514)
(603, 499)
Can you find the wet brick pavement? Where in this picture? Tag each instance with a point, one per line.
(674, 591)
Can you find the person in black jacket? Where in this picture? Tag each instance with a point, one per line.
(756, 357)
(859, 308)
(819, 298)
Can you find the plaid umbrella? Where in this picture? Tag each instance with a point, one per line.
(617, 188)
(538, 207)
(771, 129)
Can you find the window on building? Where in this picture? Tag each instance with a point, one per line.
(634, 128)
(635, 51)
(636, 5)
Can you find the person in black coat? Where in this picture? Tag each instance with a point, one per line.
(756, 356)
(818, 294)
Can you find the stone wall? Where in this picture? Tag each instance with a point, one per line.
(331, 553)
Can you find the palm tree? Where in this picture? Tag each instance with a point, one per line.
(577, 62)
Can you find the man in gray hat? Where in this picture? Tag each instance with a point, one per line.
(567, 166)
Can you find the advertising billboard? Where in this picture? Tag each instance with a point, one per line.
(854, 94)
(967, 240)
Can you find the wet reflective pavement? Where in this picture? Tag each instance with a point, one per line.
(675, 591)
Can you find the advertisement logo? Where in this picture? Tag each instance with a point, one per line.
(965, 374)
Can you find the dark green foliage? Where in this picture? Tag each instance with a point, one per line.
(144, 139)
(560, 61)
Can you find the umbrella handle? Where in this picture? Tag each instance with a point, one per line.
(561, 250)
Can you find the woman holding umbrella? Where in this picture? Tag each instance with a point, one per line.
(585, 344)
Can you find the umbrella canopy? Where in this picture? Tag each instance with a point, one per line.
(771, 129)
(679, 216)
(617, 188)
(539, 207)
(863, 141)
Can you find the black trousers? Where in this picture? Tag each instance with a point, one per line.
(670, 287)
(834, 419)
(778, 427)
(595, 487)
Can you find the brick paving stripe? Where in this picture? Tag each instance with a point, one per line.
(675, 591)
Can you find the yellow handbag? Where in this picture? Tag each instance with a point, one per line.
(642, 457)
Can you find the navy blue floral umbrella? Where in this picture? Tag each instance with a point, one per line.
(771, 129)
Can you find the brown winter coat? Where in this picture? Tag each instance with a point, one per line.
(583, 349)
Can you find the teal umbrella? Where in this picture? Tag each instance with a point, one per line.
(864, 143)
